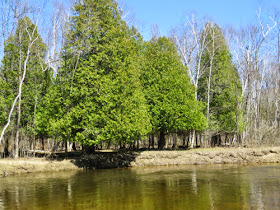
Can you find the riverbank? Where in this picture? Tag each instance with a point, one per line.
(113, 159)
(34, 165)
(209, 156)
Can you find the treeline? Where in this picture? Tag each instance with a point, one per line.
(94, 83)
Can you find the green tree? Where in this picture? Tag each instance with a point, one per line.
(220, 85)
(99, 81)
(168, 91)
(23, 61)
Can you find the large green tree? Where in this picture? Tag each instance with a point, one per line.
(168, 90)
(219, 86)
(98, 85)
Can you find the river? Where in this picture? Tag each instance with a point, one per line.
(176, 187)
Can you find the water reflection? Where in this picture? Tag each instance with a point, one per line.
(1, 203)
(181, 187)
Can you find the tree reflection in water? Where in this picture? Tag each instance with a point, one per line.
(176, 187)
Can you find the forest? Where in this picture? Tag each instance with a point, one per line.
(85, 79)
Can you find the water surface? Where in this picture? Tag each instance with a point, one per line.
(176, 187)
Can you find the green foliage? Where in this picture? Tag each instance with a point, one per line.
(98, 83)
(36, 81)
(225, 87)
(3, 101)
(168, 91)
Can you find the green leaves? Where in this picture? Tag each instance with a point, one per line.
(169, 93)
(36, 81)
(225, 88)
(106, 102)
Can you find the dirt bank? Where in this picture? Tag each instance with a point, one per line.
(208, 156)
(30, 165)
(189, 157)
(112, 159)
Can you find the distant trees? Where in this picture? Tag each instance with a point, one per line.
(256, 52)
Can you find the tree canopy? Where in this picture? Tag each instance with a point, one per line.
(99, 78)
(168, 91)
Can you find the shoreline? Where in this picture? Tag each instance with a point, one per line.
(210, 156)
(110, 159)
(34, 165)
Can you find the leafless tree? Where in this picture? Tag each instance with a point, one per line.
(191, 41)
(59, 19)
(251, 50)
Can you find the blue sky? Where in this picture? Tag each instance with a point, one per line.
(169, 13)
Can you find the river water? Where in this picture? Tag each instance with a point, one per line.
(177, 187)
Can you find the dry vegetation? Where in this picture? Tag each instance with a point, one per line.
(113, 159)
(209, 156)
(31, 165)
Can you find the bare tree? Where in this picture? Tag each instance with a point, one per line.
(191, 41)
(59, 19)
(155, 31)
(251, 54)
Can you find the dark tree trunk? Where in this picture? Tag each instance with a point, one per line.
(65, 146)
(184, 140)
(109, 145)
(138, 144)
(219, 140)
(6, 147)
(151, 141)
(74, 146)
(43, 144)
(174, 146)
(161, 141)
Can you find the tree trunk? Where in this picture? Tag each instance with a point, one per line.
(161, 141)
(66, 146)
(138, 144)
(16, 144)
(196, 136)
(184, 140)
(192, 138)
(70, 144)
(174, 146)
(74, 146)
(7, 147)
(34, 121)
(151, 141)
(43, 144)
(109, 145)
